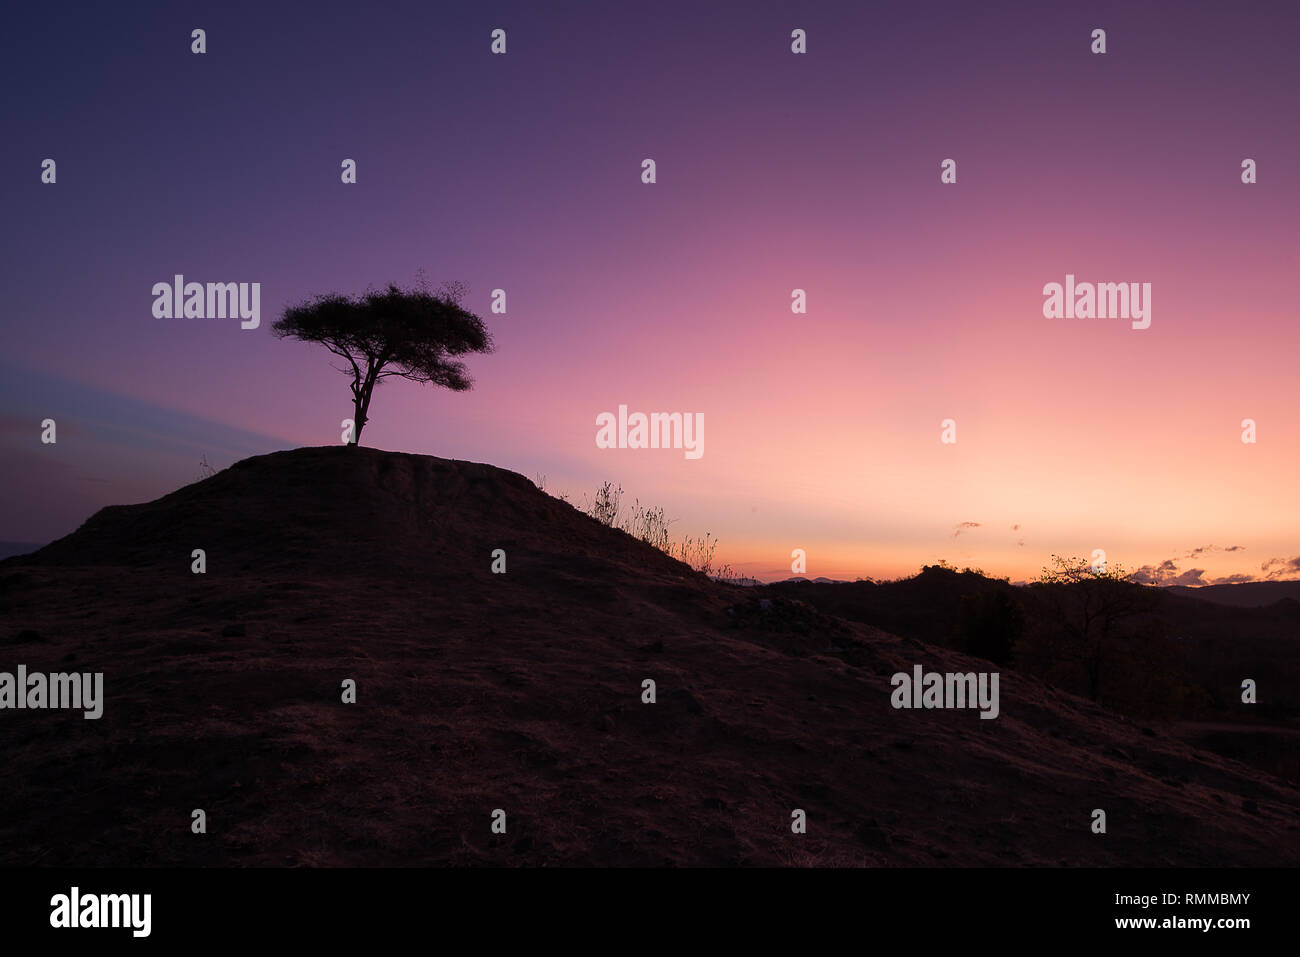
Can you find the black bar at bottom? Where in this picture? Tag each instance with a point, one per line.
(333, 907)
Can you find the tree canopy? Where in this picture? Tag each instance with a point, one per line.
(412, 334)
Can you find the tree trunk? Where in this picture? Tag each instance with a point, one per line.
(361, 403)
(358, 418)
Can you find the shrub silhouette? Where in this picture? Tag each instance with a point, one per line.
(412, 334)
(649, 524)
(1087, 623)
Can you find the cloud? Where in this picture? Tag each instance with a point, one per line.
(1151, 574)
(1015, 528)
(109, 419)
(1280, 568)
(28, 428)
(961, 527)
(1168, 573)
(1214, 548)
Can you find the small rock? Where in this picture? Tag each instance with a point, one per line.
(606, 723)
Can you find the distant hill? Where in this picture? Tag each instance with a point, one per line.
(1221, 642)
(1242, 595)
(522, 691)
(923, 607)
(9, 549)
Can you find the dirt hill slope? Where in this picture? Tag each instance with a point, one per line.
(522, 691)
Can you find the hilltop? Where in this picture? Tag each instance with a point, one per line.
(522, 691)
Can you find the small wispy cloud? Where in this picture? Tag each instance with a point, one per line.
(1204, 549)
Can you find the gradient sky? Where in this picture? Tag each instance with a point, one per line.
(775, 171)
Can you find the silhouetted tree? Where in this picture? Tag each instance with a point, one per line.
(412, 334)
(1089, 608)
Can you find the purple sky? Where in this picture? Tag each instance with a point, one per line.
(775, 172)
